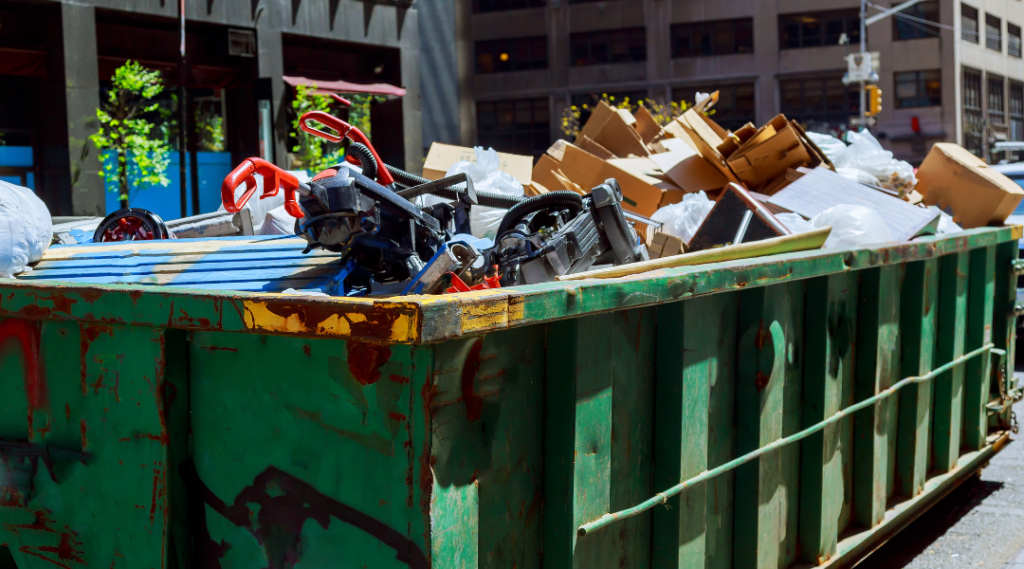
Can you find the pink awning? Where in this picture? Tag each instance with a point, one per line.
(326, 87)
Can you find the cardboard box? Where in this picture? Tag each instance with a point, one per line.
(646, 125)
(609, 128)
(951, 177)
(585, 171)
(442, 156)
(767, 155)
(706, 136)
(665, 245)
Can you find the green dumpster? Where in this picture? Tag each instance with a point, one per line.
(788, 410)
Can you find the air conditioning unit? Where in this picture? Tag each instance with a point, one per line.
(242, 43)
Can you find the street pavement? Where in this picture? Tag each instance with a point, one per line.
(978, 525)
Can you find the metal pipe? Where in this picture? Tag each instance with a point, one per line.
(662, 497)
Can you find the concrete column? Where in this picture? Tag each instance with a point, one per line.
(81, 99)
(271, 64)
(766, 52)
(409, 38)
(657, 15)
(439, 76)
(465, 69)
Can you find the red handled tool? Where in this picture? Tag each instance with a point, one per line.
(274, 178)
(344, 131)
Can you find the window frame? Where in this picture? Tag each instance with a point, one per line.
(686, 30)
(965, 15)
(920, 79)
(918, 11)
(1010, 36)
(836, 119)
(732, 119)
(533, 139)
(996, 43)
(973, 113)
(995, 99)
(1016, 110)
(535, 45)
(851, 27)
(609, 39)
(491, 6)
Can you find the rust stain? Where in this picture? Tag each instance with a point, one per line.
(365, 360)
(25, 335)
(67, 411)
(11, 497)
(306, 350)
(377, 323)
(66, 551)
(135, 295)
(398, 379)
(90, 295)
(473, 400)
(397, 416)
(427, 393)
(85, 439)
(218, 349)
(88, 334)
(761, 380)
(761, 337)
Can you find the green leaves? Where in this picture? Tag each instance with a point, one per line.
(314, 153)
(142, 150)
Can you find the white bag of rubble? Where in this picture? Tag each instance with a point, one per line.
(26, 229)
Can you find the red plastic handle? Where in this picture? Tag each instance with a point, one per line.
(344, 130)
(274, 178)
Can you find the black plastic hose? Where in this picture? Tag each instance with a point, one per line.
(366, 160)
(551, 200)
(454, 193)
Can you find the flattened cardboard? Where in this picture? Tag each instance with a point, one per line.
(951, 177)
(586, 143)
(646, 126)
(544, 172)
(442, 156)
(707, 142)
(820, 189)
(665, 245)
(687, 168)
(776, 147)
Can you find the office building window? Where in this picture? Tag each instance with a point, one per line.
(973, 130)
(818, 29)
(521, 126)
(517, 54)
(822, 103)
(996, 100)
(724, 37)
(482, 6)
(907, 25)
(1016, 110)
(918, 89)
(735, 106)
(608, 46)
(1012, 40)
(615, 98)
(993, 32)
(968, 23)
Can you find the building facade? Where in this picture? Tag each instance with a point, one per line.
(950, 70)
(57, 57)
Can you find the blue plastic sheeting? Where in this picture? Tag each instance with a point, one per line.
(255, 264)
(166, 201)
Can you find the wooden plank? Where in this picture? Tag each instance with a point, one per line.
(829, 330)
(949, 344)
(977, 372)
(918, 319)
(766, 409)
(696, 347)
(877, 369)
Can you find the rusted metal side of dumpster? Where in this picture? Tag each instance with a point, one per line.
(555, 426)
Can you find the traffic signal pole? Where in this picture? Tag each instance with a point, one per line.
(863, 49)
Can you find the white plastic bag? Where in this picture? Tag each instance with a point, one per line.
(795, 222)
(946, 223)
(277, 222)
(26, 229)
(866, 154)
(486, 176)
(830, 145)
(852, 226)
(684, 218)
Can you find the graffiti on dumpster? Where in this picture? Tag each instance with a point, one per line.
(285, 504)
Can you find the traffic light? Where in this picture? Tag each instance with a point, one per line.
(874, 97)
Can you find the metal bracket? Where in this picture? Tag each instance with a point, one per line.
(1017, 266)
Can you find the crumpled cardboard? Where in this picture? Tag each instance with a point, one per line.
(951, 177)
(582, 170)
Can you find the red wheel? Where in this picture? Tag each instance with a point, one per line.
(131, 224)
